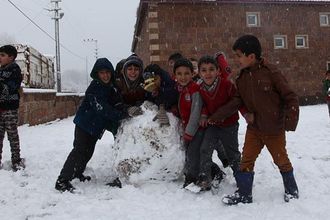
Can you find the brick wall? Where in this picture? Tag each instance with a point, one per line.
(37, 108)
(205, 28)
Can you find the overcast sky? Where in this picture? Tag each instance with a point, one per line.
(110, 22)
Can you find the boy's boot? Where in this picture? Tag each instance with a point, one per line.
(82, 177)
(204, 182)
(217, 174)
(243, 194)
(188, 180)
(63, 185)
(115, 183)
(18, 164)
(290, 186)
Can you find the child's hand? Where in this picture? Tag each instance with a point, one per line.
(249, 117)
(203, 122)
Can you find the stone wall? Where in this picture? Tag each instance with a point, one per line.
(41, 107)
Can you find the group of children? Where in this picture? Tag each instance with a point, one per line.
(205, 98)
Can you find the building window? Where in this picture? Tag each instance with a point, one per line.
(280, 42)
(253, 19)
(301, 41)
(325, 19)
(328, 65)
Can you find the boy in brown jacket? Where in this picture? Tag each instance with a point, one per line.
(274, 109)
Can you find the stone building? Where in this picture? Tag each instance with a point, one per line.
(295, 34)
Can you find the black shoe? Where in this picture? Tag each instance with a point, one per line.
(83, 178)
(289, 196)
(236, 198)
(115, 183)
(63, 185)
(204, 183)
(18, 165)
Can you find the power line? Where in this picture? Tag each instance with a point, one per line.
(45, 32)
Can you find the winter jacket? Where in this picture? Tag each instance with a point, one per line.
(213, 100)
(190, 106)
(266, 93)
(10, 83)
(326, 87)
(132, 94)
(102, 106)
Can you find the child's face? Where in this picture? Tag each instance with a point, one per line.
(133, 72)
(183, 75)
(5, 59)
(244, 61)
(104, 76)
(208, 72)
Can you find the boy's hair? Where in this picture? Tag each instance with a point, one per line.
(183, 62)
(248, 44)
(10, 50)
(175, 57)
(207, 59)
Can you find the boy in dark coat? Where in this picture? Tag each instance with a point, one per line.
(10, 83)
(101, 109)
(264, 92)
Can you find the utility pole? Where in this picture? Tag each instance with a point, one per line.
(96, 50)
(57, 17)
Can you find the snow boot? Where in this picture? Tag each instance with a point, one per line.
(244, 193)
(290, 186)
(18, 165)
(63, 185)
(115, 183)
(83, 178)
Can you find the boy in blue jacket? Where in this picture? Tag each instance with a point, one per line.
(100, 110)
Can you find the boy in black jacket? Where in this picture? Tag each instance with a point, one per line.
(10, 82)
(100, 110)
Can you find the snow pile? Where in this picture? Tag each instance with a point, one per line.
(145, 151)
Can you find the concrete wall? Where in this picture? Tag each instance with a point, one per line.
(41, 107)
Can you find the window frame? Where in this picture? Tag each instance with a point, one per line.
(285, 41)
(256, 15)
(327, 15)
(328, 65)
(305, 38)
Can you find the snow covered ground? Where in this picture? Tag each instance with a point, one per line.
(30, 194)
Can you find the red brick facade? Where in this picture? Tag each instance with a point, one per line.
(197, 28)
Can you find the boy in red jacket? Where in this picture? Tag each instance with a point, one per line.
(190, 106)
(216, 90)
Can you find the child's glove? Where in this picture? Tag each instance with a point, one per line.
(134, 111)
(149, 81)
(162, 117)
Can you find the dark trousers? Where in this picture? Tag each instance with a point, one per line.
(8, 123)
(328, 101)
(215, 137)
(193, 154)
(82, 152)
